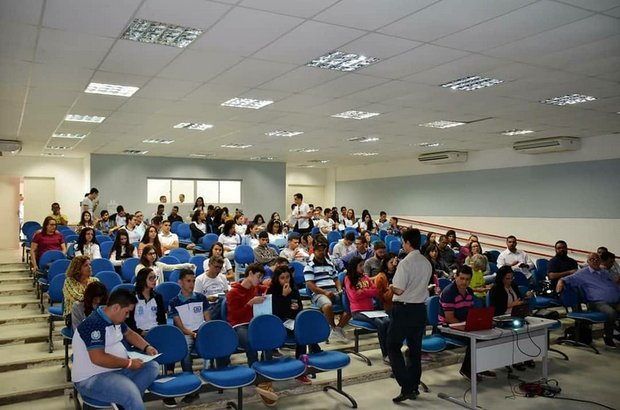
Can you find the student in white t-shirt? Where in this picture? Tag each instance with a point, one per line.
(213, 285)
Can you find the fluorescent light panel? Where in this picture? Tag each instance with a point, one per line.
(430, 144)
(356, 115)
(239, 146)
(52, 154)
(69, 136)
(111, 89)
(84, 118)
(342, 61)
(365, 154)
(263, 158)
(319, 161)
(246, 103)
(155, 32)
(364, 139)
(58, 147)
(282, 133)
(134, 152)
(196, 126)
(201, 155)
(441, 124)
(304, 150)
(471, 83)
(569, 99)
(157, 141)
(517, 132)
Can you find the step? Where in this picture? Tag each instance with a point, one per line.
(29, 314)
(63, 402)
(26, 356)
(26, 333)
(18, 302)
(16, 278)
(17, 289)
(13, 267)
(32, 384)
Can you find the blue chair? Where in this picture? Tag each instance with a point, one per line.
(389, 238)
(280, 243)
(274, 247)
(351, 229)
(331, 247)
(423, 238)
(168, 290)
(168, 260)
(110, 279)
(58, 267)
(315, 231)
(71, 238)
(174, 228)
(174, 276)
(443, 282)
(45, 261)
(333, 236)
(170, 343)
(206, 242)
(199, 261)
(571, 298)
(217, 339)
(299, 279)
(100, 265)
(494, 253)
(520, 280)
(127, 286)
(266, 333)
(103, 238)
(312, 327)
(184, 234)
(181, 254)
(374, 238)
(55, 312)
(382, 234)
(359, 328)
(493, 267)
(128, 269)
(433, 308)
(244, 255)
(29, 228)
(395, 246)
(106, 248)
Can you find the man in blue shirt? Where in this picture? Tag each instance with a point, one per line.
(600, 290)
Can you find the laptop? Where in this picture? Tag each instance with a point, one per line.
(477, 319)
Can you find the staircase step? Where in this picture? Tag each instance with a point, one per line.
(16, 278)
(52, 403)
(17, 289)
(26, 333)
(26, 356)
(32, 384)
(14, 268)
(18, 302)
(29, 314)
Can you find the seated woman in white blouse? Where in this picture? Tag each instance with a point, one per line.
(230, 239)
(87, 244)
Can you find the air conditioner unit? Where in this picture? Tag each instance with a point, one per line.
(543, 145)
(443, 157)
(10, 146)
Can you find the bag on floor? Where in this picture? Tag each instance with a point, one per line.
(580, 332)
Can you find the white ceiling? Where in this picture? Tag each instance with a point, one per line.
(51, 49)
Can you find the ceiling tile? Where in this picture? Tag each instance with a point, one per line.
(379, 45)
(22, 11)
(68, 48)
(17, 41)
(166, 89)
(293, 8)
(133, 57)
(252, 73)
(345, 85)
(594, 5)
(300, 79)
(199, 65)
(191, 13)
(60, 76)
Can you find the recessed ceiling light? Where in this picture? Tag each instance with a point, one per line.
(52, 154)
(471, 83)
(568, 99)
(57, 147)
(441, 124)
(240, 146)
(364, 139)
(263, 158)
(517, 132)
(246, 103)
(201, 155)
(365, 154)
(134, 152)
(305, 166)
(69, 136)
(154, 32)
(430, 144)
(304, 150)
(197, 126)
(157, 141)
(342, 61)
(356, 115)
(282, 133)
(84, 118)
(319, 161)
(111, 89)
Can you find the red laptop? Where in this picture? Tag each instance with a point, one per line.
(477, 319)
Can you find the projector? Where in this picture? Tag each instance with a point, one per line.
(510, 323)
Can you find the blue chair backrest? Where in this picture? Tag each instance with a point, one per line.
(71, 238)
(181, 254)
(175, 226)
(266, 332)
(394, 247)
(542, 266)
(333, 236)
(493, 267)
(382, 234)
(184, 232)
(109, 278)
(389, 238)
(216, 338)
(100, 265)
(570, 297)
(105, 248)
(169, 341)
(311, 327)
(280, 243)
(50, 256)
(103, 238)
(127, 286)
(55, 289)
(274, 247)
(32, 226)
(423, 238)
(478, 302)
(331, 247)
(224, 309)
(432, 310)
(443, 282)
(174, 276)
(58, 267)
(168, 290)
(199, 261)
(315, 231)
(128, 268)
(244, 254)
(495, 253)
(520, 280)
(345, 300)
(169, 260)
(374, 238)
(298, 276)
(208, 240)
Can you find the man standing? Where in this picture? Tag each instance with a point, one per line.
(372, 266)
(58, 217)
(91, 201)
(409, 316)
(300, 217)
(561, 264)
(518, 260)
(101, 367)
(167, 239)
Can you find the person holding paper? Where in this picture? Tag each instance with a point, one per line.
(361, 290)
(189, 310)
(102, 368)
(213, 284)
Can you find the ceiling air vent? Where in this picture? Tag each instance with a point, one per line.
(543, 145)
(10, 146)
(444, 157)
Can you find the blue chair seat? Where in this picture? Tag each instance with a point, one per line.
(363, 325)
(180, 384)
(596, 317)
(229, 377)
(453, 342)
(328, 360)
(55, 310)
(542, 301)
(304, 293)
(97, 404)
(556, 325)
(433, 344)
(280, 369)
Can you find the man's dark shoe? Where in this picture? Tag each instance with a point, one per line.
(405, 396)
(170, 402)
(190, 398)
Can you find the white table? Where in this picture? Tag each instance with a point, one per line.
(495, 348)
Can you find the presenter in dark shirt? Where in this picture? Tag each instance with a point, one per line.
(409, 316)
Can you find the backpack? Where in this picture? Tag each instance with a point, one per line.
(581, 328)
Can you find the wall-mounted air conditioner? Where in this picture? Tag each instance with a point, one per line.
(543, 145)
(10, 146)
(443, 157)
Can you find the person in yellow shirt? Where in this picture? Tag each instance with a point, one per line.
(58, 217)
(478, 264)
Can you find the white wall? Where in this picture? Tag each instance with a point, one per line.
(314, 177)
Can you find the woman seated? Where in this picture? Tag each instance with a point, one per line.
(121, 249)
(274, 228)
(383, 280)
(452, 243)
(476, 249)
(366, 223)
(478, 263)
(240, 226)
(86, 221)
(439, 266)
(361, 290)
(250, 236)
(149, 259)
(79, 275)
(260, 222)
(230, 239)
(431, 239)
(198, 227)
(150, 237)
(150, 310)
(47, 239)
(95, 294)
(87, 244)
(350, 221)
(218, 249)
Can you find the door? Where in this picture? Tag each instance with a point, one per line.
(39, 194)
(9, 205)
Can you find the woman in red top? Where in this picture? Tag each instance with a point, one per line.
(361, 290)
(45, 240)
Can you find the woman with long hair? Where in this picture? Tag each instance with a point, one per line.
(47, 239)
(150, 310)
(122, 249)
(150, 237)
(218, 249)
(149, 259)
(350, 221)
(240, 226)
(439, 266)
(87, 244)
(86, 221)
(199, 205)
(476, 249)
(95, 295)
(250, 236)
(274, 229)
(230, 239)
(259, 221)
(431, 239)
(366, 223)
(79, 275)
(383, 280)
(198, 227)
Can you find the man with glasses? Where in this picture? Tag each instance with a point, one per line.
(600, 291)
(213, 285)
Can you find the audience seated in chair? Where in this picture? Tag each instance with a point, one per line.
(383, 280)
(121, 249)
(263, 253)
(150, 237)
(361, 251)
(343, 247)
(95, 294)
(446, 254)
(150, 258)
(45, 240)
(214, 285)
(167, 239)
(294, 252)
(561, 264)
(87, 244)
(218, 249)
(518, 260)
(230, 239)
(150, 310)
(79, 275)
(372, 265)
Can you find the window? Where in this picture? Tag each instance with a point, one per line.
(212, 191)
